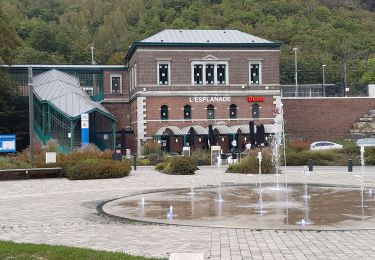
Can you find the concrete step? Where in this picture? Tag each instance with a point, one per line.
(186, 256)
(371, 111)
(365, 119)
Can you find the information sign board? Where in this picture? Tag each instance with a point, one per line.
(7, 143)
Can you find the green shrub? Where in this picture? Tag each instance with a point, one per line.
(151, 148)
(298, 145)
(250, 164)
(13, 163)
(182, 166)
(97, 169)
(178, 166)
(143, 162)
(202, 155)
(52, 145)
(154, 158)
(369, 156)
(161, 166)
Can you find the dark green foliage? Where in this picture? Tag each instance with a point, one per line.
(97, 169)
(326, 32)
(178, 166)
(250, 164)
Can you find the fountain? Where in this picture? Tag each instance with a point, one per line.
(306, 220)
(192, 188)
(289, 210)
(142, 203)
(305, 181)
(260, 204)
(170, 213)
(219, 197)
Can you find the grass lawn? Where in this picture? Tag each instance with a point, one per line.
(10, 250)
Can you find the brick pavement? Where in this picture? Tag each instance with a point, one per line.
(63, 212)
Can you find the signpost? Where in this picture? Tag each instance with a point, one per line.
(7, 143)
(85, 129)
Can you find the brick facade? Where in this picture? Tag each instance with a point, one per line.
(324, 118)
(180, 60)
(107, 83)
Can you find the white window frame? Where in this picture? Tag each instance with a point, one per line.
(116, 76)
(162, 62)
(255, 62)
(215, 63)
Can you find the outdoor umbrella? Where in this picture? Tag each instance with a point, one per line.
(258, 138)
(261, 135)
(211, 136)
(192, 137)
(122, 140)
(252, 134)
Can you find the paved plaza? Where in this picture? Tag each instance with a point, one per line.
(63, 212)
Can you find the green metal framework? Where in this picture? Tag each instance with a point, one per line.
(50, 123)
(90, 80)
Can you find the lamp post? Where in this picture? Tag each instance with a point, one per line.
(92, 55)
(31, 112)
(324, 80)
(295, 71)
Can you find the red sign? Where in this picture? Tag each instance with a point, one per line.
(255, 99)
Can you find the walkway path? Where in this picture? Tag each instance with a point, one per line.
(59, 211)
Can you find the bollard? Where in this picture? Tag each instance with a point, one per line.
(350, 165)
(135, 162)
(311, 163)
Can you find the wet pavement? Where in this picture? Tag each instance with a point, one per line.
(63, 212)
(322, 208)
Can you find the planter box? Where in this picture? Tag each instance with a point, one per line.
(35, 173)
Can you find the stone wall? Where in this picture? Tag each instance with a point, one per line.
(324, 118)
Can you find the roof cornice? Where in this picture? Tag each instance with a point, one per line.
(135, 45)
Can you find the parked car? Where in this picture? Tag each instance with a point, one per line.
(324, 145)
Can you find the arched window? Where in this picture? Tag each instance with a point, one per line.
(210, 112)
(164, 112)
(187, 112)
(233, 111)
(255, 111)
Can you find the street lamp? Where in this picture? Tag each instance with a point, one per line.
(324, 80)
(31, 112)
(92, 54)
(295, 71)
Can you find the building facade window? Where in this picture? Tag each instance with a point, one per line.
(198, 74)
(209, 73)
(255, 111)
(210, 112)
(210, 79)
(255, 72)
(187, 112)
(164, 112)
(233, 111)
(221, 73)
(116, 83)
(164, 74)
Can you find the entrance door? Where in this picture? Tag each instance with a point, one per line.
(165, 143)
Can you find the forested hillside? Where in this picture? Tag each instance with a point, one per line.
(331, 32)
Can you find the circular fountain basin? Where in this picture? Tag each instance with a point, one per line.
(322, 208)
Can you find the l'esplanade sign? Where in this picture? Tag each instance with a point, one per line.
(207, 99)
